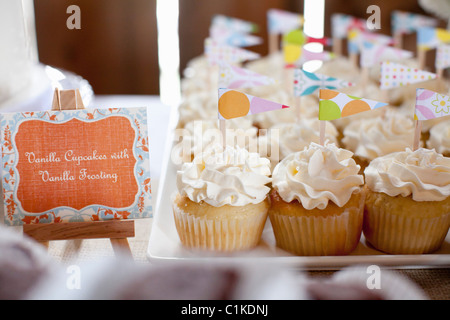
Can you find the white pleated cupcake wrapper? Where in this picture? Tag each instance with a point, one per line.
(404, 235)
(316, 235)
(219, 235)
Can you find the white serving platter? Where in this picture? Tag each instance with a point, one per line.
(165, 246)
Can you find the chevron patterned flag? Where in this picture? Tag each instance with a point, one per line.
(431, 105)
(233, 77)
(334, 105)
(306, 83)
(372, 53)
(216, 53)
(235, 104)
(430, 38)
(281, 21)
(443, 57)
(406, 22)
(395, 75)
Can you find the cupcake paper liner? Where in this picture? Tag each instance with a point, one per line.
(398, 234)
(316, 235)
(219, 235)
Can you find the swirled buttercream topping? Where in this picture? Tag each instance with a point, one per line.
(424, 174)
(316, 175)
(232, 176)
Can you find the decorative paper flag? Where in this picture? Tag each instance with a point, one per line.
(407, 22)
(234, 104)
(397, 75)
(334, 105)
(443, 57)
(372, 53)
(430, 105)
(297, 56)
(234, 24)
(232, 38)
(306, 83)
(429, 38)
(356, 38)
(281, 21)
(341, 24)
(233, 77)
(216, 52)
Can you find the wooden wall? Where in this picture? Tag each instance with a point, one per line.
(116, 48)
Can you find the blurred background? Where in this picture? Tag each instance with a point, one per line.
(116, 49)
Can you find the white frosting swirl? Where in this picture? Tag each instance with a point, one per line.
(424, 174)
(298, 135)
(377, 136)
(317, 175)
(440, 137)
(232, 176)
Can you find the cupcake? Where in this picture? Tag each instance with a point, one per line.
(317, 202)
(373, 137)
(440, 138)
(222, 203)
(407, 209)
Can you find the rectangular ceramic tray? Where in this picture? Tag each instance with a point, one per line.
(164, 244)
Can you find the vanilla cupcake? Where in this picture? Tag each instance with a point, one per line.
(317, 201)
(377, 136)
(440, 138)
(298, 135)
(407, 208)
(222, 203)
(200, 135)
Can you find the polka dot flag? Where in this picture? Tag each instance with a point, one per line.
(334, 105)
(395, 75)
(235, 104)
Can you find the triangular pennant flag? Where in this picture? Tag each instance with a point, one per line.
(228, 37)
(443, 57)
(297, 55)
(235, 104)
(306, 83)
(216, 52)
(395, 75)
(233, 77)
(281, 21)
(429, 38)
(372, 53)
(430, 105)
(356, 38)
(334, 105)
(234, 24)
(341, 24)
(406, 22)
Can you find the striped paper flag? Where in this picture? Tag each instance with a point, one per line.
(395, 75)
(235, 104)
(431, 105)
(233, 77)
(334, 105)
(306, 83)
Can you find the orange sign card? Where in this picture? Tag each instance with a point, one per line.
(77, 165)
